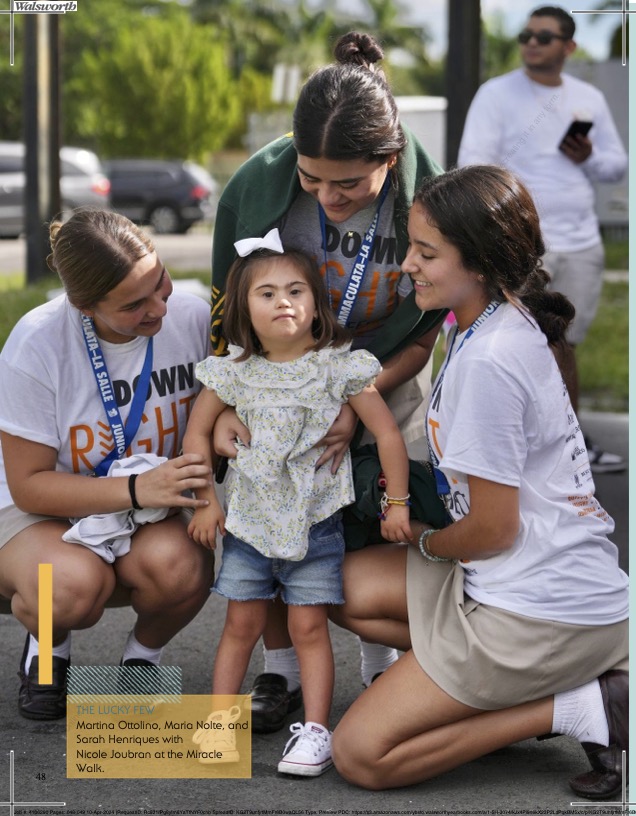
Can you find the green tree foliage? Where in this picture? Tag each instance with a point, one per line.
(162, 88)
(385, 19)
(261, 33)
(253, 92)
(499, 49)
(616, 43)
(407, 64)
(164, 77)
(616, 39)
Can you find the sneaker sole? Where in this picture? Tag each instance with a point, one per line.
(303, 770)
(608, 468)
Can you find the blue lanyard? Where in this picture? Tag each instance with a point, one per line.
(443, 488)
(343, 315)
(123, 435)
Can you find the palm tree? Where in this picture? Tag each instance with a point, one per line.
(261, 33)
(619, 42)
(385, 21)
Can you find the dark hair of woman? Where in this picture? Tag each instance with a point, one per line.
(93, 252)
(237, 324)
(346, 111)
(490, 217)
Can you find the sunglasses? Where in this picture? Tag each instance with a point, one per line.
(542, 37)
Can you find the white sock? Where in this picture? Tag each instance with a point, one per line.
(285, 663)
(134, 648)
(580, 713)
(61, 650)
(375, 658)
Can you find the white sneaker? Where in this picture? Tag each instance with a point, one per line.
(602, 461)
(308, 752)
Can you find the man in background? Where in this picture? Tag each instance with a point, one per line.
(520, 120)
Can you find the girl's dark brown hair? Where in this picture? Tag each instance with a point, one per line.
(346, 111)
(93, 252)
(490, 217)
(237, 324)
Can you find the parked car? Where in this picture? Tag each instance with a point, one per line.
(82, 182)
(171, 196)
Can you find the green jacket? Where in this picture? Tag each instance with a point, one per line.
(262, 191)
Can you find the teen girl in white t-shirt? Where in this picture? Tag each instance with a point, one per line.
(101, 373)
(510, 613)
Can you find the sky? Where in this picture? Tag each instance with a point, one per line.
(593, 35)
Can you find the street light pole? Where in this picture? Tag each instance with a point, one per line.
(41, 137)
(462, 69)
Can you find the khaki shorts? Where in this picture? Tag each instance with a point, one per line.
(579, 276)
(489, 658)
(13, 521)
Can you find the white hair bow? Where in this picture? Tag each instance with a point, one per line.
(270, 241)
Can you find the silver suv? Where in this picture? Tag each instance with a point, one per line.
(82, 182)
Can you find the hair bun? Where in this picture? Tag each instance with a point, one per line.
(54, 228)
(355, 48)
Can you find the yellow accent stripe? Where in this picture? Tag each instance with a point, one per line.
(45, 624)
(217, 304)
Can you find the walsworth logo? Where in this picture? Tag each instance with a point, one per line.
(33, 7)
(44, 7)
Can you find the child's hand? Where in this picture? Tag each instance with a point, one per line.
(204, 524)
(396, 526)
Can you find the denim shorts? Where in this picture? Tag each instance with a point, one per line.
(248, 575)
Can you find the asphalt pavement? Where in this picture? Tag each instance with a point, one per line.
(529, 777)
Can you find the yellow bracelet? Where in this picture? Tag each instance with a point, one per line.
(387, 501)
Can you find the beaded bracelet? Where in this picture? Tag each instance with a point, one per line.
(131, 489)
(423, 545)
(387, 501)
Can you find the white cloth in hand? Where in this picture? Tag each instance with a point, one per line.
(109, 534)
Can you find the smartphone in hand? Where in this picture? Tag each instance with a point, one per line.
(577, 126)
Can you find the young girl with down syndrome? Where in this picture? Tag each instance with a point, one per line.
(288, 373)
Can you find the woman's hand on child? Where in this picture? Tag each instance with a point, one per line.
(227, 429)
(396, 526)
(204, 524)
(338, 438)
(163, 486)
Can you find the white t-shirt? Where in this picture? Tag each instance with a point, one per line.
(518, 123)
(49, 394)
(500, 411)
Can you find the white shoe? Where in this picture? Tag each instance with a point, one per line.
(308, 752)
(602, 461)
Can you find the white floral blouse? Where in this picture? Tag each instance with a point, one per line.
(275, 494)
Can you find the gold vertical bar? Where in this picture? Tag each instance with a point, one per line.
(45, 624)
